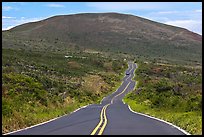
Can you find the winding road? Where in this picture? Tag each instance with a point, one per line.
(110, 117)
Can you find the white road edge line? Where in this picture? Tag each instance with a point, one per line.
(185, 132)
(54, 118)
(182, 130)
(130, 71)
(133, 80)
(46, 121)
(122, 81)
(111, 93)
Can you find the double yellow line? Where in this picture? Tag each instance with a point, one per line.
(103, 118)
(120, 93)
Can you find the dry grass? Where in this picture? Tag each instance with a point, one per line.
(74, 65)
(108, 66)
(95, 84)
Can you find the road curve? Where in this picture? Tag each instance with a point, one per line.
(110, 117)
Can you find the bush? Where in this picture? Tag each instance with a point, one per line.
(163, 85)
(6, 107)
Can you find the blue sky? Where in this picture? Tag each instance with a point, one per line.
(183, 14)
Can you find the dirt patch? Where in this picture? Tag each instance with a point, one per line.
(95, 83)
(73, 65)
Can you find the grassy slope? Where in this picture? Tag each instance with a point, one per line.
(172, 93)
(38, 86)
(108, 32)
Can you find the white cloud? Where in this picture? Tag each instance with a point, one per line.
(125, 6)
(53, 5)
(8, 23)
(198, 11)
(189, 19)
(6, 17)
(177, 14)
(21, 3)
(8, 28)
(7, 8)
(192, 25)
(167, 12)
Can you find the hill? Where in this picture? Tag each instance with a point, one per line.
(107, 32)
(54, 66)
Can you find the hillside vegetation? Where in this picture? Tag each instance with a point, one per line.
(54, 66)
(170, 92)
(38, 86)
(108, 32)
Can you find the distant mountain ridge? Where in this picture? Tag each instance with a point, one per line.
(114, 32)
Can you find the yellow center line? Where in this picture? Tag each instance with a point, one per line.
(105, 121)
(130, 71)
(99, 124)
(103, 114)
(119, 93)
(127, 77)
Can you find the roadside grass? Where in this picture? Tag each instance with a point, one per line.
(38, 86)
(172, 93)
(115, 87)
(35, 115)
(189, 121)
(30, 115)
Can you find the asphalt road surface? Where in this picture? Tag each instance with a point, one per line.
(110, 117)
